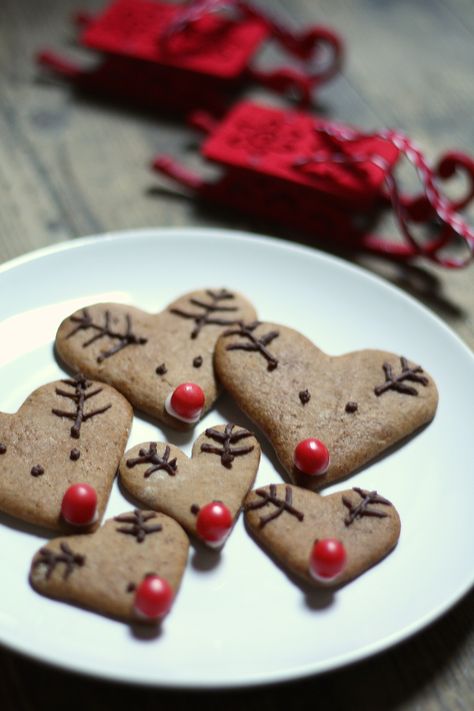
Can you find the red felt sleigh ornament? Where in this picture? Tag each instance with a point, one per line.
(321, 178)
(182, 57)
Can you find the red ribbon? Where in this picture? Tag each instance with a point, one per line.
(419, 209)
(309, 46)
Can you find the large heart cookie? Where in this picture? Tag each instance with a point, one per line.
(221, 470)
(66, 432)
(103, 571)
(147, 356)
(357, 404)
(288, 521)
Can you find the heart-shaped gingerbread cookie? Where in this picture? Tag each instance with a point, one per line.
(356, 405)
(148, 356)
(204, 493)
(68, 432)
(130, 568)
(322, 539)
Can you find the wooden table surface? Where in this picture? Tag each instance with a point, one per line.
(70, 167)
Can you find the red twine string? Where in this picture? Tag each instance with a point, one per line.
(306, 46)
(446, 211)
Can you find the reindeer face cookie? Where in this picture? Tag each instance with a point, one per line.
(325, 416)
(204, 493)
(322, 540)
(67, 433)
(131, 568)
(162, 362)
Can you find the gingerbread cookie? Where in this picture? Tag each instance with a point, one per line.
(326, 416)
(130, 568)
(59, 453)
(204, 493)
(162, 362)
(325, 540)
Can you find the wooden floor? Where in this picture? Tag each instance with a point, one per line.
(71, 166)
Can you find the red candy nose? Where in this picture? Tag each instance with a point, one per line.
(327, 559)
(153, 597)
(214, 522)
(186, 402)
(79, 505)
(311, 456)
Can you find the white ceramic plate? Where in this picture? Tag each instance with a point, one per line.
(238, 620)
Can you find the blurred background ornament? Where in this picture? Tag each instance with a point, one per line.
(181, 57)
(331, 181)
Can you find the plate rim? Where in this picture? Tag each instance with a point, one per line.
(293, 674)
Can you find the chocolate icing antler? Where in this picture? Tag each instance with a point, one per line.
(227, 438)
(127, 338)
(139, 527)
(205, 318)
(395, 382)
(281, 504)
(155, 460)
(79, 396)
(256, 344)
(368, 498)
(50, 559)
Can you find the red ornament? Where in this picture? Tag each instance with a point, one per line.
(327, 559)
(321, 177)
(153, 597)
(311, 456)
(214, 523)
(186, 402)
(79, 505)
(179, 58)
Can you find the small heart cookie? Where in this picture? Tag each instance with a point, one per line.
(326, 416)
(162, 362)
(322, 539)
(204, 493)
(130, 568)
(67, 433)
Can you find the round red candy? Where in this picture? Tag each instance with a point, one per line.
(153, 597)
(79, 505)
(311, 456)
(214, 522)
(327, 559)
(187, 401)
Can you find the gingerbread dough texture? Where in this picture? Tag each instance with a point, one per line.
(222, 468)
(358, 404)
(66, 432)
(146, 356)
(102, 571)
(287, 520)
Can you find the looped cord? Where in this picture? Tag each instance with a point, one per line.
(422, 208)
